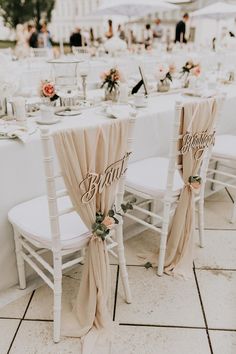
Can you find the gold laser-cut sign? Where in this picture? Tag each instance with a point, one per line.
(94, 183)
(198, 141)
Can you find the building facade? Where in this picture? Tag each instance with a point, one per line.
(69, 14)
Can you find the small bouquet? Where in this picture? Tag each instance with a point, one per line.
(164, 76)
(111, 79)
(47, 89)
(190, 68)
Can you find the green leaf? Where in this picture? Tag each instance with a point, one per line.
(111, 213)
(148, 265)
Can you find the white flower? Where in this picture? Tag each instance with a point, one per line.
(162, 71)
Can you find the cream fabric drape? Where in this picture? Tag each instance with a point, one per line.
(179, 256)
(91, 149)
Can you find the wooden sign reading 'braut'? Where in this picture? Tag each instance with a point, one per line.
(198, 141)
(94, 183)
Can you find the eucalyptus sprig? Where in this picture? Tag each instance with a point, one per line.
(104, 223)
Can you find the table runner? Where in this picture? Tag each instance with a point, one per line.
(80, 153)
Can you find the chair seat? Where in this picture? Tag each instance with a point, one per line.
(225, 147)
(31, 219)
(149, 176)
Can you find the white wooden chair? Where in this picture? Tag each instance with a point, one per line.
(50, 223)
(157, 179)
(222, 170)
(41, 53)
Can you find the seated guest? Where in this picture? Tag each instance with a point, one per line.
(121, 32)
(33, 36)
(158, 29)
(44, 37)
(181, 30)
(148, 36)
(76, 38)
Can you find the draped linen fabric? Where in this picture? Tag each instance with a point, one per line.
(81, 151)
(195, 117)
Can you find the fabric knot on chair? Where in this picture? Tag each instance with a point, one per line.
(194, 182)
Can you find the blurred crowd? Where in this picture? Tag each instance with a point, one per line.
(28, 36)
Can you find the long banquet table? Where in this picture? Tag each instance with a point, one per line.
(22, 176)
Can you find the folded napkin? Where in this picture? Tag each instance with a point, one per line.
(122, 111)
(13, 132)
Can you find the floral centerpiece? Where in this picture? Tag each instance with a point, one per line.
(190, 68)
(164, 77)
(48, 91)
(111, 80)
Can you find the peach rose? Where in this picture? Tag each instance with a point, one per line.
(48, 89)
(196, 71)
(108, 222)
(172, 68)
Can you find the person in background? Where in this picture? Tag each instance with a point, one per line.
(109, 34)
(133, 37)
(33, 36)
(76, 38)
(44, 37)
(121, 32)
(158, 29)
(148, 36)
(181, 30)
(22, 44)
(91, 36)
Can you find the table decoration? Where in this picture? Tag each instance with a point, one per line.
(164, 76)
(48, 92)
(189, 69)
(111, 81)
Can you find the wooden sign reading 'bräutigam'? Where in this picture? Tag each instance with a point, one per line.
(198, 141)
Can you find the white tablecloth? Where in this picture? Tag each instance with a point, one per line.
(22, 178)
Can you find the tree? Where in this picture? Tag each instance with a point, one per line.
(20, 11)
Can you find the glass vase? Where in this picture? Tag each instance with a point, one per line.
(112, 95)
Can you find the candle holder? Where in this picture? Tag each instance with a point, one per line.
(84, 86)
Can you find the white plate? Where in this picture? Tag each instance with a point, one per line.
(67, 112)
(43, 122)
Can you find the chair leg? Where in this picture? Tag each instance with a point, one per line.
(214, 176)
(20, 260)
(233, 218)
(122, 262)
(163, 241)
(201, 221)
(57, 298)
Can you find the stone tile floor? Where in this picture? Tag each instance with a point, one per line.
(167, 316)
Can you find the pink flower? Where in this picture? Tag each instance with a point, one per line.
(196, 71)
(172, 68)
(103, 75)
(162, 71)
(48, 89)
(108, 222)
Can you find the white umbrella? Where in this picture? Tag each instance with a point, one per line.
(217, 11)
(133, 8)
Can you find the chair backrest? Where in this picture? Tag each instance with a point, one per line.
(81, 52)
(41, 52)
(54, 193)
(175, 153)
